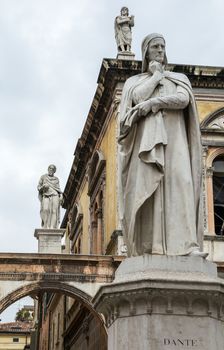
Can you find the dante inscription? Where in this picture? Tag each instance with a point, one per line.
(181, 343)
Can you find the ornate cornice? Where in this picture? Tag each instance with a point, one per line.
(151, 301)
(72, 277)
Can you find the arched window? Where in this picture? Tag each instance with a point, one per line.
(212, 130)
(96, 189)
(76, 229)
(218, 194)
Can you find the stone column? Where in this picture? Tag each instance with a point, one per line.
(99, 231)
(49, 240)
(210, 201)
(94, 237)
(163, 303)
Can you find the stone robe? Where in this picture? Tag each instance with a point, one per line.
(160, 168)
(122, 27)
(49, 195)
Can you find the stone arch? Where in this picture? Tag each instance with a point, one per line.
(214, 120)
(96, 189)
(212, 155)
(96, 162)
(54, 287)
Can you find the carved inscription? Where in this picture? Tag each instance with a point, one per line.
(181, 343)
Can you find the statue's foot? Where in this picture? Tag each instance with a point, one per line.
(197, 252)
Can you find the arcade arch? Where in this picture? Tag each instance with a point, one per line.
(34, 289)
(59, 291)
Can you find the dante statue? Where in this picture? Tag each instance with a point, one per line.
(159, 159)
(51, 198)
(122, 26)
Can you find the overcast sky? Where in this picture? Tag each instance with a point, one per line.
(51, 52)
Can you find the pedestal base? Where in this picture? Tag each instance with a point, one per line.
(49, 240)
(164, 303)
(125, 55)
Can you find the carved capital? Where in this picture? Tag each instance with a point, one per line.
(205, 151)
(209, 172)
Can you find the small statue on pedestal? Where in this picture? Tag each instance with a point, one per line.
(51, 198)
(122, 26)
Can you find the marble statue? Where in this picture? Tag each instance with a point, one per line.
(51, 198)
(159, 159)
(122, 26)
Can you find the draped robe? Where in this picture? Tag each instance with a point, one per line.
(49, 196)
(160, 168)
(122, 27)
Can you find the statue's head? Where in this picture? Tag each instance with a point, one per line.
(153, 49)
(124, 11)
(51, 169)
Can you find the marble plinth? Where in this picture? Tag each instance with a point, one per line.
(164, 303)
(125, 55)
(49, 240)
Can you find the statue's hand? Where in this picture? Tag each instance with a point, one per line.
(155, 66)
(61, 199)
(45, 188)
(143, 108)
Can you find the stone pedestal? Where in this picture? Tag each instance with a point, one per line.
(125, 55)
(164, 303)
(49, 240)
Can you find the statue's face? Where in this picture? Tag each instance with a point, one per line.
(156, 50)
(124, 11)
(51, 170)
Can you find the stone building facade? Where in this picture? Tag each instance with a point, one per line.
(91, 201)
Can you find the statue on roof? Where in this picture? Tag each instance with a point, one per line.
(122, 26)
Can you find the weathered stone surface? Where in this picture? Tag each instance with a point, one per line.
(49, 240)
(23, 266)
(79, 276)
(163, 302)
(163, 267)
(125, 56)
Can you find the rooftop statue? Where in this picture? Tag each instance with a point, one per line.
(159, 159)
(122, 26)
(51, 198)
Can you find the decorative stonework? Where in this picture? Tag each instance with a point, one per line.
(217, 124)
(57, 276)
(204, 189)
(55, 266)
(159, 301)
(215, 120)
(96, 173)
(209, 172)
